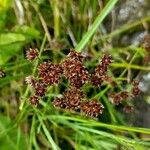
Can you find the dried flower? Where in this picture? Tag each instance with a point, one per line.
(34, 100)
(75, 55)
(2, 73)
(50, 73)
(92, 108)
(128, 109)
(32, 53)
(124, 95)
(30, 80)
(59, 103)
(135, 90)
(75, 72)
(99, 74)
(73, 98)
(40, 88)
(115, 98)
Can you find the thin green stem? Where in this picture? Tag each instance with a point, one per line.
(95, 25)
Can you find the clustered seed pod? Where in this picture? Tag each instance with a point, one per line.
(73, 69)
(40, 88)
(99, 74)
(59, 102)
(117, 98)
(75, 72)
(135, 90)
(2, 73)
(49, 73)
(32, 53)
(92, 108)
(73, 100)
(34, 100)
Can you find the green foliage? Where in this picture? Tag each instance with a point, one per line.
(53, 27)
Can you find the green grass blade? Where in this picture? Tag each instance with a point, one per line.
(96, 24)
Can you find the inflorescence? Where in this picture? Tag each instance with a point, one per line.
(72, 68)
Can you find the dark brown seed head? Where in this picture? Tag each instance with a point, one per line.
(73, 98)
(99, 74)
(50, 73)
(124, 95)
(59, 103)
(32, 53)
(2, 73)
(75, 72)
(34, 100)
(92, 108)
(30, 80)
(115, 98)
(75, 55)
(106, 60)
(40, 88)
(135, 90)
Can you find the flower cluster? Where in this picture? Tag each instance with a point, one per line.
(117, 98)
(74, 99)
(49, 73)
(99, 74)
(31, 54)
(72, 68)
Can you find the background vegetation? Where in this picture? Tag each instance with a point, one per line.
(53, 26)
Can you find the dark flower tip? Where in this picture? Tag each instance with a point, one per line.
(32, 53)
(92, 108)
(59, 103)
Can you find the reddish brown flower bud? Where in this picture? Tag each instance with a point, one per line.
(115, 98)
(135, 90)
(92, 108)
(31, 54)
(59, 103)
(34, 100)
(50, 73)
(40, 88)
(73, 98)
(2, 73)
(128, 109)
(106, 60)
(124, 95)
(99, 74)
(75, 72)
(75, 55)
(30, 80)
